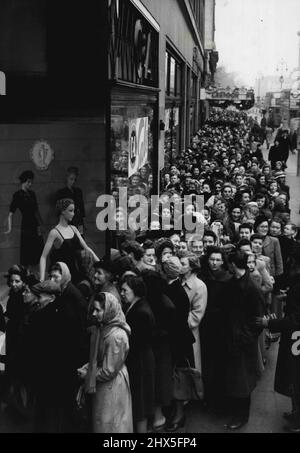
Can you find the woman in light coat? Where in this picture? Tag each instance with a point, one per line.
(105, 376)
(197, 294)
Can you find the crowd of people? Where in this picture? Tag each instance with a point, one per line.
(165, 299)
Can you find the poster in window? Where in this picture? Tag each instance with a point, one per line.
(138, 144)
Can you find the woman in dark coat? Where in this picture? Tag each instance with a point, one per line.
(213, 327)
(246, 304)
(16, 366)
(73, 306)
(140, 360)
(31, 244)
(55, 343)
(287, 376)
(164, 311)
(181, 336)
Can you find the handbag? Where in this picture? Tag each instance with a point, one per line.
(187, 384)
(81, 411)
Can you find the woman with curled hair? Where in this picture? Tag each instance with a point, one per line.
(64, 242)
(74, 193)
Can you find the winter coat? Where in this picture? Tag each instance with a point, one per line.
(246, 303)
(111, 404)
(213, 333)
(140, 360)
(271, 248)
(197, 294)
(181, 336)
(288, 360)
(164, 311)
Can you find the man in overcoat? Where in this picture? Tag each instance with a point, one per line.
(287, 376)
(247, 303)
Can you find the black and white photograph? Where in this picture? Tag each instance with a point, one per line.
(150, 219)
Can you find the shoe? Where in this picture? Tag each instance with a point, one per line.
(295, 429)
(171, 426)
(159, 427)
(235, 424)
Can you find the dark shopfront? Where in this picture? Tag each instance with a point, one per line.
(53, 115)
(133, 68)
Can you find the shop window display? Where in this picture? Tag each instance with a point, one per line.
(132, 149)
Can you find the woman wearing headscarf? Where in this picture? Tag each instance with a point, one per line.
(105, 376)
(181, 336)
(197, 294)
(73, 311)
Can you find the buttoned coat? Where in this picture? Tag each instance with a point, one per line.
(197, 294)
(271, 248)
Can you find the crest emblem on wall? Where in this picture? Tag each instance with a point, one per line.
(41, 154)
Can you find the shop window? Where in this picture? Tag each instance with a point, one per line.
(173, 78)
(173, 107)
(172, 134)
(132, 146)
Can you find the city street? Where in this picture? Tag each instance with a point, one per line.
(149, 216)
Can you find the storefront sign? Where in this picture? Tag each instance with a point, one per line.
(138, 145)
(133, 45)
(42, 155)
(2, 84)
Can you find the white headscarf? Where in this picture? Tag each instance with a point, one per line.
(66, 275)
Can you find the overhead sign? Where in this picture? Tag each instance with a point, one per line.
(138, 144)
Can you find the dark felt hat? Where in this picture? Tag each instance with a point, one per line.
(46, 287)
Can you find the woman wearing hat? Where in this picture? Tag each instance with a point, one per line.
(106, 376)
(64, 242)
(104, 277)
(181, 336)
(31, 244)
